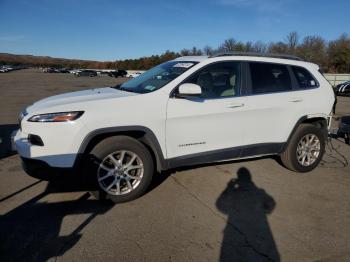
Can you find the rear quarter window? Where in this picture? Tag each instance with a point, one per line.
(304, 78)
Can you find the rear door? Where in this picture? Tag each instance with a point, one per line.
(311, 99)
(271, 105)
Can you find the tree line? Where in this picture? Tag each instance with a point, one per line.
(332, 56)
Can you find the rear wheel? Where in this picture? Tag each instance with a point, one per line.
(120, 168)
(305, 149)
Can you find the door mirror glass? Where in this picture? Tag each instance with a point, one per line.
(189, 90)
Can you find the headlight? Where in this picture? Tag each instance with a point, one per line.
(56, 117)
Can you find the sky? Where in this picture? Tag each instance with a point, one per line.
(107, 30)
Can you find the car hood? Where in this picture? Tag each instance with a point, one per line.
(74, 98)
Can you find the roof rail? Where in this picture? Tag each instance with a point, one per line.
(283, 56)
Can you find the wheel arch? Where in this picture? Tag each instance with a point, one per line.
(318, 120)
(140, 133)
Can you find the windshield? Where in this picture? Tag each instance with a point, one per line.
(156, 77)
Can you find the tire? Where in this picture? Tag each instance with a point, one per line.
(347, 138)
(290, 157)
(114, 147)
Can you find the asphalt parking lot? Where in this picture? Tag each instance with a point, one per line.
(252, 210)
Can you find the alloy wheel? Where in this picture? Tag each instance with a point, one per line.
(120, 172)
(308, 149)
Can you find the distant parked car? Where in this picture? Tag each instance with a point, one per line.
(118, 73)
(50, 70)
(18, 67)
(63, 70)
(5, 69)
(133, 75)
(74, 71)
(90, 73)
(343, 89)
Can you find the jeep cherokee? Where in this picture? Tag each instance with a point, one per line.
(187, 111)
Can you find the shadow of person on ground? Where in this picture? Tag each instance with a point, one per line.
(5, 140)
(31, 231)
(247, 236)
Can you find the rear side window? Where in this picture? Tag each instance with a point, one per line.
(269, 78)
(304, 77)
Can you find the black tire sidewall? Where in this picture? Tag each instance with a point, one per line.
(109, 146)
(302, 131)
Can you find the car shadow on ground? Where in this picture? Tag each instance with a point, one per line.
(31, 231)
(247, 235)
(5, 140)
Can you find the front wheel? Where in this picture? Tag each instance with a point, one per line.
(305, 149)
(120, 168)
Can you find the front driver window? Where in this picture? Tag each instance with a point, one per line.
(218, 80)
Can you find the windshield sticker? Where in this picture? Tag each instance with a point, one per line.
(150, 88)
(183, 65)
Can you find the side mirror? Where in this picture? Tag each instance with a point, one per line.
(189, 90)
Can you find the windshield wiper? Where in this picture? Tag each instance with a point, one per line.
(131, 91)
(119, 87)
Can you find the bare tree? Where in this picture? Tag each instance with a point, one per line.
(208, 50)
(278, 48)
(339, 54)
(292, 40)
(249, 47)
(185, 52)
(196, 51)
(260, 47)
(313, 49)
(228, 45)
(240, 47)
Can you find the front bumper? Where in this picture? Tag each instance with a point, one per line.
(60, 146)
(41, 170)
(33, 167)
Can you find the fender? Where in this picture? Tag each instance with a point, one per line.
(298, 123)
(149, 138)
(302, 119)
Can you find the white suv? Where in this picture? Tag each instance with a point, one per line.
(188, 111)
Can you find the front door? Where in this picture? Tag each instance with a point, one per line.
(212, 122)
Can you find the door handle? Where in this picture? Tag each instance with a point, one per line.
(296, 100)
(236, 105)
